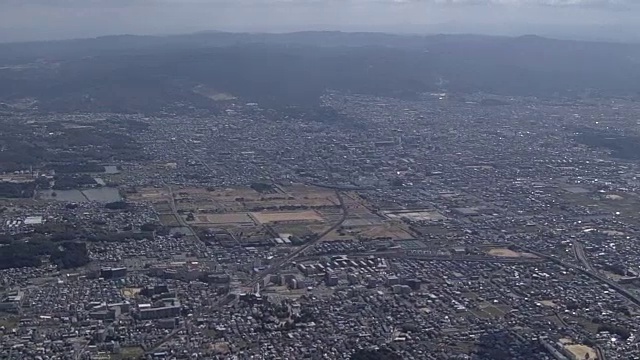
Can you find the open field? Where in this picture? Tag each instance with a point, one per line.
(169, 220)
(587, 324)
(131, 353)
(150, 194)
(221, 219)
(581, 351)
(298, 229)
(488, 310)
(299, 210)
(104, 195)
(241, 199)
(269, 217)
(504, 252)
(624, 204)
(130, 292)
(9, 322)
(390, 231)
(415, 215)
(549, 303)
(385, 231)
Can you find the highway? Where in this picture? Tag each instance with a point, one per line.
(594, 275)
(578, 251)
(474, 258)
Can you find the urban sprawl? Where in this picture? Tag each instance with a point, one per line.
(443, 227)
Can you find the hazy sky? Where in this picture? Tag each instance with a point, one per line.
(52, 19)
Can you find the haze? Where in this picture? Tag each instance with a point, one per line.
(24, 20)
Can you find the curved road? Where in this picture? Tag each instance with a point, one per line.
(594, 275)
(578, 251)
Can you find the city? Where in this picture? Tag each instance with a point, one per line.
(447, 226)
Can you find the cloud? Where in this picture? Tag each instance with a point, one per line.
(152, 3)
(563, 3)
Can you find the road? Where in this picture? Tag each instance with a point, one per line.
(578, 251)
(181, 221)
(272, 269)
(275, 267)
(174, 208)
(594, 275)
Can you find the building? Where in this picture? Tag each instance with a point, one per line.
(113, 273)
(12, 301)
(159, 312)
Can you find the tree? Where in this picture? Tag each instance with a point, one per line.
(378, 354)
(615, 329)
(397, 182)
(149, 227)
(117, 205)
(70, 255)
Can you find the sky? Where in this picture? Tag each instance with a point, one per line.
(25, 20)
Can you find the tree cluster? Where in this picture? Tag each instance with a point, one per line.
(73, 168)
(68, 182)
(70, 255)
(621, 146)
(16, 190)
(615, 329)
(117, 205)
(19, 255)
(262, 187)
(377, 354)
(66, 255)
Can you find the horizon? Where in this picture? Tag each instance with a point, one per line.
(38, 20)
(285, 32)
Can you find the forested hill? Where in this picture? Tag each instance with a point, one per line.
(145, 73)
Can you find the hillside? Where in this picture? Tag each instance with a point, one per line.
(145, 73)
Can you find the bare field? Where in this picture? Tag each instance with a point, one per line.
(623, 204)
(242, 199)
(308, 202)
(149, 194)
(309, 191)
(504, 252)
(549, 303)
(221, 219)
(383, 231)
(295, 209)
(269, 217)
(131, 352)
(386, 231)
(418, 215)
(130, 292)
(154, 195)
(169, 220)
(299, 229)
(496, 311)
(582, 352)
